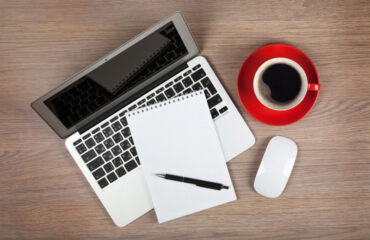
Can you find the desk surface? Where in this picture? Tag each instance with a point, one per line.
(43, 195)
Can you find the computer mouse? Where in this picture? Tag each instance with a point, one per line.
(275, 168)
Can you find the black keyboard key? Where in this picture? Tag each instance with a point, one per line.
(112, 177)
(107, 132)
(224, 109)
(137, 160)
(208, 84)
(141, 101)
(120, 171)
(207, 94)
(150, 102)
(116, 126)
(214, 101)
(117, 137)
(178, 87)
(178, 79)
(197, 87)
(89, 155)
(122, 113)
(107, 156)
(187, 73)
(95, 130)
(117, 161)
(187, 82)
(132, 107)
(108, 167)
(150, 96)
(108, 143)
(86, 136)
(116, 150)
(124, 121)
(98, 173)
(198, 75)
(81, 148)
(126, 156)
(90, 143)
(196, 67)
(169, 93)
(159, 90)
(168, 85)
(100, 148)
(133, 151)
(160, 97)
(214, 113)
(187, 91)
(94, 164)
(125, 145)
(114, 119)
(131, 140)
(77, 142)
(99, 137)
(105, 125)
(130, 165)
(103, 183)
(126, 132)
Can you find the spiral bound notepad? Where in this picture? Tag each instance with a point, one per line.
(179, 137)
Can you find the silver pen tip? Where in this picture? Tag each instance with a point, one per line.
(160, 175)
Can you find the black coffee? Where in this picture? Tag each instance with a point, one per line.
(283, 81)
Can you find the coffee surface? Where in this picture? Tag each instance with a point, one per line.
(283, 81)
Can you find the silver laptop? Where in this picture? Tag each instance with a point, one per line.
(92, 117)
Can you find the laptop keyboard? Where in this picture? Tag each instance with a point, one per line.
(109, 151)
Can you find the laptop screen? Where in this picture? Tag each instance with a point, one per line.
(86, 96)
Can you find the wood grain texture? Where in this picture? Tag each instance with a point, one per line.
(43, 195)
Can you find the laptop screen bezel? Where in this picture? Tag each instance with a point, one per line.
(48, 116)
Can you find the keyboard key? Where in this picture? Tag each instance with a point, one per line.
(126, 132)
(133, 151)
(77, 142)
(98, 173)
(187, 73)
(159, 90)
(90, 143)
(86, 136)
(214, 101)
(100, 148)
(187, 91)
(208, 84)
(168, 85)
(141, 101)
(198, 75)
(112, 177)
(99, 137)
(224, 109)
(125, 145)
(178, 87)
(117, 161)
(197, 87)
(116, 126)
(132, 107)
(150, 102)
(107, 132)
(107, 156)
(187, 82)
(120, 171)
(214, 113)
(89, 155)
(95, 130)
(196, 67)
(81, 148)
(130, 165)
(108, 167)
(131, 140)
(160, 97)
(124, 121)
(169, 93)
(108, 143)
(95, 163)
(122, 113)
(103, 183)
(114, 119)
(116, 150)
(207, 94)
(137, 160)
(126, 156)
(117, 137)
(150, 96)
(105, 125)
(178, 78)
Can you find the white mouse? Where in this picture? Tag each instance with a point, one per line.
(275, 168)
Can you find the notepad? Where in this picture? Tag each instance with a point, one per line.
(179, 137)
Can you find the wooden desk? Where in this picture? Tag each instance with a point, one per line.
(43, 195)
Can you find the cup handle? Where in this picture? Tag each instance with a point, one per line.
(314, 87)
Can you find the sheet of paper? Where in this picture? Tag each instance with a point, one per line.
(179, 137)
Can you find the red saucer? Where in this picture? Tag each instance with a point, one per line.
(249, 99)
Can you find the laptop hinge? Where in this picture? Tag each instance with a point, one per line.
(132, 98)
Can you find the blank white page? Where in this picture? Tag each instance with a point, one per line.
(179, 137)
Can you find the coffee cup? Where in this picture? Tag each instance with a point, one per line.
(281, 84)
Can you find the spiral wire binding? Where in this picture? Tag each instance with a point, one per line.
(159, 105)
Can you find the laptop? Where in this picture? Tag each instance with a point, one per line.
(92, 116)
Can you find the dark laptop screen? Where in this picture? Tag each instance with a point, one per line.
(86, 96)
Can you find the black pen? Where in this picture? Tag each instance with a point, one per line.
(197, 182)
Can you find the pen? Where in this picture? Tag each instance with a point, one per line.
(197, 182)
